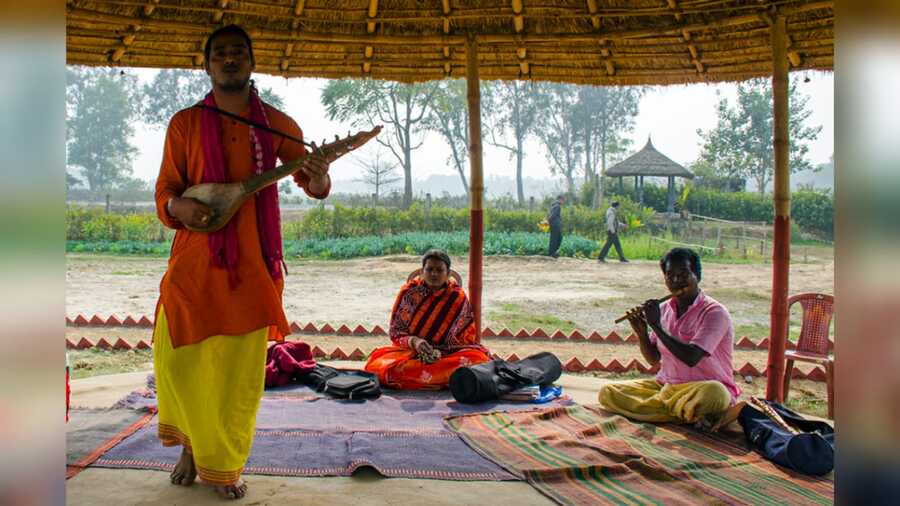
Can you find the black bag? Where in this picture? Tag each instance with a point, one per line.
(318, 376)
(489, 380)
(353, 385)
(810, 452)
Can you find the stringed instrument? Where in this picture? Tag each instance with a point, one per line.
(224, 199)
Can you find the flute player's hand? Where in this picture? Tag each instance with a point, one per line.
(638, 324)
(651, 312)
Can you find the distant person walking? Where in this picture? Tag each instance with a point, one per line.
(613, 226)
(554, 218)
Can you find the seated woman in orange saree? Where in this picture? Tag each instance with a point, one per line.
(433, 331)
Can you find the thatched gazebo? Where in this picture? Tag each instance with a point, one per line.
(599, 42)
(650, 162)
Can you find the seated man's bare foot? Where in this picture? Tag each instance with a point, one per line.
(236, 491)
(729, 416)
(185, 472)
(715, 421)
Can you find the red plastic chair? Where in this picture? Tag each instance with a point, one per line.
(812, 346)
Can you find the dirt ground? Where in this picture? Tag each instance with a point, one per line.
(518, 292)
(524, 291)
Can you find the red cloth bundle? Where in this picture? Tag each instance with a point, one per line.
(285, 361)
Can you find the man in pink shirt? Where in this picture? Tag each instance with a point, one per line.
(692, 338)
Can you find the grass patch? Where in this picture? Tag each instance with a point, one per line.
(757, 331)
(739, 294)
(416, 243)
(514, 317)
(97, 362)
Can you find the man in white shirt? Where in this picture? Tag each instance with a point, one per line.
(613, 225)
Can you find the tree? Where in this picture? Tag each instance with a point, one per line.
(513, 108)
(72, 181)
(285, 187)
(377, 173)
(559, 130)
(99, 107)
(448, 115)
(605, 117)
(741, 142)
(172, 90)
(706, 177)
(400, 107)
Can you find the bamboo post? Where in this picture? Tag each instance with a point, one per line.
(670, 195)
(428, 209)
(107, 203)
(476, 180)
(781, 253)
(531, 203)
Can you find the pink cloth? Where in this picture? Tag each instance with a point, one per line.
(706, 324)
(223, 244)
(285, 361)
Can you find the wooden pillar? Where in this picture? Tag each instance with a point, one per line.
(476, 181)
(640, 190)
(670, 197)
(781, 251)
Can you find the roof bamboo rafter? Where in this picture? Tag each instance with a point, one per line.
(602, 42)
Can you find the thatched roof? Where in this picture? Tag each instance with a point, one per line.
(648, 162)
(618, 42)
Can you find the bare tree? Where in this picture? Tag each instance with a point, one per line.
(400, 107)
(377, 173)
(512, 108)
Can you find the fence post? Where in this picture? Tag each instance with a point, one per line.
(428, 208)
(531, 203)
(107, 203)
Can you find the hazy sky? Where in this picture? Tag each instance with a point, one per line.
(670, 114)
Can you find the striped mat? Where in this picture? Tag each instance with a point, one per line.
(585, 455)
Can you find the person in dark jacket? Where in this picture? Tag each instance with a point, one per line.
(554, 218)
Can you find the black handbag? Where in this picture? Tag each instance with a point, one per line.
(788, 439)
(318, 376)
(489, 380)
(353, 385)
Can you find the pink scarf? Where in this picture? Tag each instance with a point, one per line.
(223, 244)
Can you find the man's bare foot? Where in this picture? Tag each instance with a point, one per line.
(185, 472)
(729, 416)
(236, 491)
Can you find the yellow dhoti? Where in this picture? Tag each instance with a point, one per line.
(208, 394)
(649, 401)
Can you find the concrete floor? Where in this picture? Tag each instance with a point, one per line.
(95, 486)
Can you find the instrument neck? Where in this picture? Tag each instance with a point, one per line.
(260, 181)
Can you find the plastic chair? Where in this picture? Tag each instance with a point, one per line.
(453, 274)
(812, 346)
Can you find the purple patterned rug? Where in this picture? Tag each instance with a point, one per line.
(301, 433)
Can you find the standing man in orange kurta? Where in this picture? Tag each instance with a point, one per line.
(220, 299)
